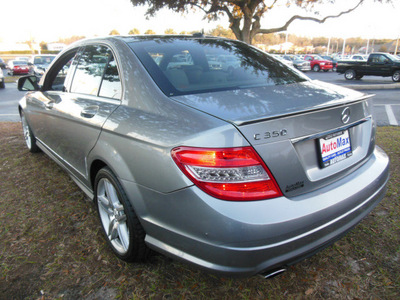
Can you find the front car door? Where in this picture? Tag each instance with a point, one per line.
(77, 113)
(377, 65)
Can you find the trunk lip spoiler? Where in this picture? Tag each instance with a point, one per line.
(308, 110)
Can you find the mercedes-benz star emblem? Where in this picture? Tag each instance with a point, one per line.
(346, 115)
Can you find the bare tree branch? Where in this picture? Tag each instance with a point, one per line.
(297, 17)
(244, 15)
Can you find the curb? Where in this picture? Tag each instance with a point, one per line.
(390, 86)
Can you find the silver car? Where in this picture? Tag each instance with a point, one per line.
(239, 171)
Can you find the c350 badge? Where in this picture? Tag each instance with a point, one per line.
(269, 134)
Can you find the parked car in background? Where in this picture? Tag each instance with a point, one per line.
(38, 64)
(18, 67)
(2, 64)
(359, 57)
(282, 59)
(318, 63)
(332, 60)
(378, 64)
(239, 172)
(299, 63)
(2, 82)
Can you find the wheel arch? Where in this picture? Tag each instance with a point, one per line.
(394, 72)
(95, 167)
(103, 156)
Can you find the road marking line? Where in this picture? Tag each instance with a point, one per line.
(391, 117)
(8, 115)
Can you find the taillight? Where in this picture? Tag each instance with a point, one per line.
(236, 174)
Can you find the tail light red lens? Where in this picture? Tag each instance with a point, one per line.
(236, 174)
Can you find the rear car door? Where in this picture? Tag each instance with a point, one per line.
(77, 114)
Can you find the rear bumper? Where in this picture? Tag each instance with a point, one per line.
(246, 238)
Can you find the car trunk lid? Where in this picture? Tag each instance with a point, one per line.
(291, 127)
(262, 103)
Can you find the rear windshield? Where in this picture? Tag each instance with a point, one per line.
(189, 66)
(19, 63)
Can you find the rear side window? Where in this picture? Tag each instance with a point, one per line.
(97, 73)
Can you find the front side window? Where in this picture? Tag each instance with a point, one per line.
(383, 59)
(58, 84)
(97, 73)
(89, 70)
(59, 75)
(188, 66)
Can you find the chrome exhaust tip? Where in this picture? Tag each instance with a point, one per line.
(273, 273)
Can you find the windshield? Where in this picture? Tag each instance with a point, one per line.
(43, 60)
(187, 66)
(392, 57)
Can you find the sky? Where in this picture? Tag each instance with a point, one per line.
(50, 20)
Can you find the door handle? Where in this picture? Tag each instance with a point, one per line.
(90, 111)
(49, 105)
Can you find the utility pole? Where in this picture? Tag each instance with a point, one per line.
(329, 44)
(286, 43)
(344, 47)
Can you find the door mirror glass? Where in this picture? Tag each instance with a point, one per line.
(28, 83)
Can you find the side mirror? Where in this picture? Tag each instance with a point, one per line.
(28, 83)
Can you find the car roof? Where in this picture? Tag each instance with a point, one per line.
(150, 37)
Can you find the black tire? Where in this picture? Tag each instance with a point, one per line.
(2, 85)
(396, 76)
(350, 74)
(316, 68)
(121, 227)
(326, 70)
(358, 77)
(29, 137)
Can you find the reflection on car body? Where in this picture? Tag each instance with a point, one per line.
(233, 171)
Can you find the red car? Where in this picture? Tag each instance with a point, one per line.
(18, 67)
(318, 63)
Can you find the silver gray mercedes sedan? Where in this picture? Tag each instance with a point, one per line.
(238, 169)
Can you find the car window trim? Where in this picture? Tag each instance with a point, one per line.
(50, 76)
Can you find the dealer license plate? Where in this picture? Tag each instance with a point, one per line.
(334, 147)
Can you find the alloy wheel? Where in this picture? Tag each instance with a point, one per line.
(112, 215)
(26, 132)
